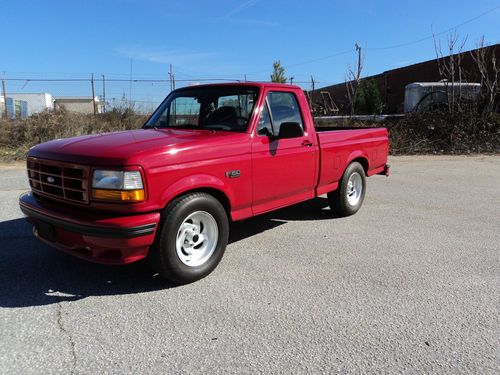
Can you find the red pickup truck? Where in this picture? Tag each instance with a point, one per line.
(209, 155)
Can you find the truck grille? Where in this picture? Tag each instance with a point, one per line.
(64, 181)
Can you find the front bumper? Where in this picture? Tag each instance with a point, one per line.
(100, 238)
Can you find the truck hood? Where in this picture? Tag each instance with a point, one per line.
(135, 147)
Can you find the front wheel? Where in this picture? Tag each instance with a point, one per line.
(349, 196)
(193, 238)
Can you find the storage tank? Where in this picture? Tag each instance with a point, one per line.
(421, 96)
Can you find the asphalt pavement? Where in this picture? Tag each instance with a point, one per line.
(410, 284)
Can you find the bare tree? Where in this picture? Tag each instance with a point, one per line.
(489, 71)
(353, 79)
(450, 68)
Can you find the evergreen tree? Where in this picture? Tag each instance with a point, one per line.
(367, 100)
(278, 75)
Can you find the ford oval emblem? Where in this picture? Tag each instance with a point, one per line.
(50, 179)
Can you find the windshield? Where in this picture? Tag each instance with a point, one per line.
(226, 108)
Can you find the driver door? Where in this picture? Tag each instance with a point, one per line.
(283, 169)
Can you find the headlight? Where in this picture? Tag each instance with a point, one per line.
(117, 185)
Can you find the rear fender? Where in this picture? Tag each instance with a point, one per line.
(358, 154)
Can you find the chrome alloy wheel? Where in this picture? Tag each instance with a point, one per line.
(354, 188)
(197, 238)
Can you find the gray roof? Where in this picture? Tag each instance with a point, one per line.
(440, 83)
(83, 98)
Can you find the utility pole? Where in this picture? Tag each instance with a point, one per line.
(103, 93)
(93, 94)
(171, 78)
(312, 91)
(129, 112)
(130, 89)
(360, 64)
(6, 114)
(291, 80)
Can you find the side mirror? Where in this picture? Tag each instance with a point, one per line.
(267, 133)
(290, 130)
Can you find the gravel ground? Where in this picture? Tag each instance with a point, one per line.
(409, 284)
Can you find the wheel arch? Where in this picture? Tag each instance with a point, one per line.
(216, 193)
(338, 198)
(361, 159)
(206, 184)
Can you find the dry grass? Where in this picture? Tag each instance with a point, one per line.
(436, 132)
(443, 133)
(17, 136)
(427, 133)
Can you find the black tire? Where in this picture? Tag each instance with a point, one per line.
(164, 255)
(339, 199)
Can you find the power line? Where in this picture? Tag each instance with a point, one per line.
(37, 81)
(396, 45)
(326, 57)
(437, 34)
(117, 80)
(322, 58)
(405, 44)
(132, 80)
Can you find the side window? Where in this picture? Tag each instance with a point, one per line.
(242, 103)
(229, 101)
(265, 122)
(184, 111)
(284, 108)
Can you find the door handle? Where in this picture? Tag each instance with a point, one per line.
(307, 143)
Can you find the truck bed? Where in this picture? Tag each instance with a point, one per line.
(334, 128)
(339, 146)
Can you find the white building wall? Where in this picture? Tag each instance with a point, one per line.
(36, 102)
(78, 104)
(78, 107)
(2, 106)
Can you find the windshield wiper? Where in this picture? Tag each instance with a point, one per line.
(218, 127)
(184, 126)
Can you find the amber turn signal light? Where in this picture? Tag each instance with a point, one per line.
(118, 195)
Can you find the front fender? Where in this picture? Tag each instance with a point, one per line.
(196, 182)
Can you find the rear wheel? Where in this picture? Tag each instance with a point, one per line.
(349, 196)
(192, 238)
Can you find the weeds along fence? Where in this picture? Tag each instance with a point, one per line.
(419, 133)
(432, 132)
(429, 132)
(18, 135)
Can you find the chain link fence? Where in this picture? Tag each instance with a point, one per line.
(23, 97)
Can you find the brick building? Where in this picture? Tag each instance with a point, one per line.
(392, 83)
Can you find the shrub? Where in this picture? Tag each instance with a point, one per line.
(367, 100)
(17, 136)
(442, 132)
(417, 133)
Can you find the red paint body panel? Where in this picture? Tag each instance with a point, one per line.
(340, 147)
(96, 248)
(273, 173)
